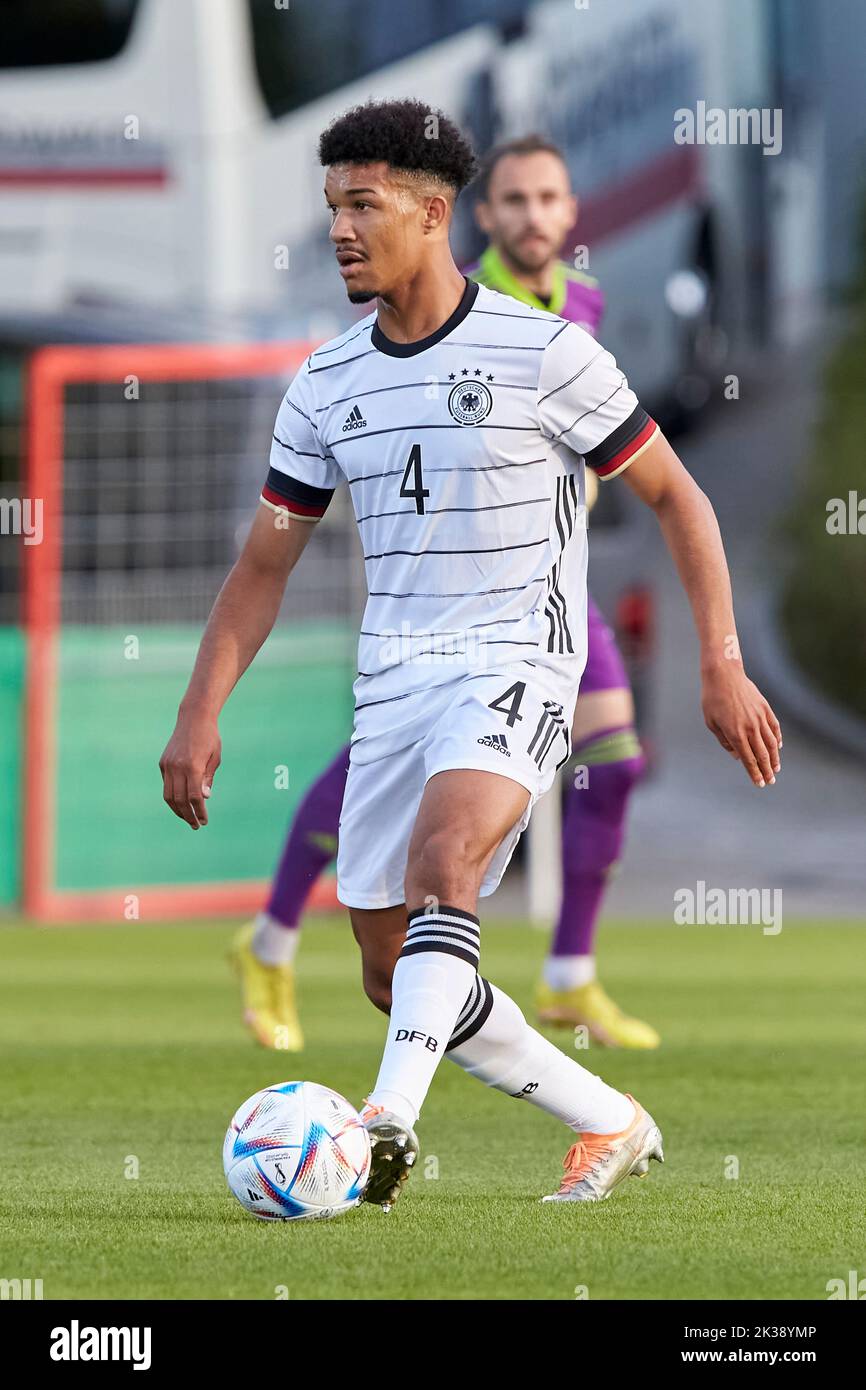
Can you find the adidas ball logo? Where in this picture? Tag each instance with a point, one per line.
(496, 741)
(354, 420)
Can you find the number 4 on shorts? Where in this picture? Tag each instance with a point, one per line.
(515, 694)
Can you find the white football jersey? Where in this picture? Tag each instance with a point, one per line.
(464, 455)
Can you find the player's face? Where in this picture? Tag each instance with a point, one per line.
(529, 208)
(376, 228)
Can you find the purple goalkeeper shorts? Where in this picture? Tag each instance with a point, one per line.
(604, 665)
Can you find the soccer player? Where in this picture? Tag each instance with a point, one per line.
(462, 422)
(526, 209)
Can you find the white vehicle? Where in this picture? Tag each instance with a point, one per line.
(163, 155)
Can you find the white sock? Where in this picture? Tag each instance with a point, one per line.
(568, 972)
(494, 1042)
(273, 943)
(432, 977)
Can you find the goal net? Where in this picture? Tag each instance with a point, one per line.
(147, 461)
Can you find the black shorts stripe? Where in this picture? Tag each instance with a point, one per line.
(567, 754)
(545, 747)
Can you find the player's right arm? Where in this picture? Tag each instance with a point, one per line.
(299, 486)
(245, 610)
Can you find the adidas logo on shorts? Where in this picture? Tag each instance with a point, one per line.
(496, 741)
(354, 420)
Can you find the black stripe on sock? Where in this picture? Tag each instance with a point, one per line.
(434, 936)
(462, 1035)
(472, 999)
(467, 934)
(443, 911)
(445, 948)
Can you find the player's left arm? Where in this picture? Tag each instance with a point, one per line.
(585, 403)
(733, 707)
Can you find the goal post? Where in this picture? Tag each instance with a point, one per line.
(147, 461)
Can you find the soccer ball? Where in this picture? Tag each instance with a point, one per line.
(296, 1151)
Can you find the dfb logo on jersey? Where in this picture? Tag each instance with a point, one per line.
(469, 402)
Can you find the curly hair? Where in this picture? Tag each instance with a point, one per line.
(406, 135)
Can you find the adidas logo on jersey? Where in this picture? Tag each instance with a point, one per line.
(354, 420)
(496, 741)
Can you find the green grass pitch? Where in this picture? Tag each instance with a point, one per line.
(123, 1053)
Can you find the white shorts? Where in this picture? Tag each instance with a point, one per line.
(516, 723)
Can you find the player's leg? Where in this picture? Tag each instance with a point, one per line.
(605, 766)
(616, 1137)
(463, 837)
(264, 950)
(492, 1041)
(463, 817)
(422, 968)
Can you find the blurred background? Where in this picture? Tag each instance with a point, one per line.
(164, 268)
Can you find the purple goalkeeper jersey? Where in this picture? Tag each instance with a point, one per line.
(574, 296)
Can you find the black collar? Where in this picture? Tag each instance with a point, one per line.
(393, 349)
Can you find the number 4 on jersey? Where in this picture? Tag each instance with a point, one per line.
(419, 491)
